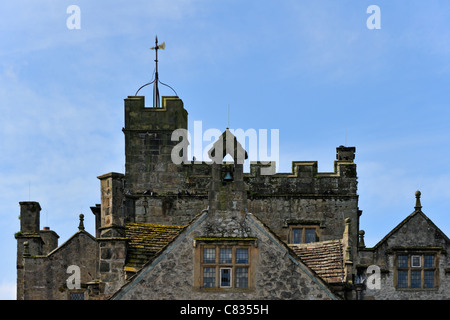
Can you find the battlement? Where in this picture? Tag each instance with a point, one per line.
(343, 167)
(170, 116)
(305, 178)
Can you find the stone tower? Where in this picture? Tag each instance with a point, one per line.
(148, 144)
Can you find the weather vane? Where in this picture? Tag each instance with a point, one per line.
(156, 102)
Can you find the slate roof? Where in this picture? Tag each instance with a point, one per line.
(145, 241)
(325, 258)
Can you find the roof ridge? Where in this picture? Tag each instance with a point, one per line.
(157, 225)
(315, 243)
(404, 222)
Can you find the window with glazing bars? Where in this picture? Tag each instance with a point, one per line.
(304, 234)
(225, 267)
(416, 271)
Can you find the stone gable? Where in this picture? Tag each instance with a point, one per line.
(278, 273)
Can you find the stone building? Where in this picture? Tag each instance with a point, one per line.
(197, 230)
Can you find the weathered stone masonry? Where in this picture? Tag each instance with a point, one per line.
(154, 220)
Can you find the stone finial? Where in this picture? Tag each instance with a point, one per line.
(418, 206)
(81, 225)
(361, 243)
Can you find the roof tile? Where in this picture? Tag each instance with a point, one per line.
(325, 258)
(146, 240)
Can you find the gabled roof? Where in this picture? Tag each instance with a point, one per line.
(419, 212)
(142, 244)
(325, 258)
(70, 240)
(145, 241)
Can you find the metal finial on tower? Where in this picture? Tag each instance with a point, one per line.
(156, 102)
(155, 83)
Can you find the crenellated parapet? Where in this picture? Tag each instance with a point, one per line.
(305, 178)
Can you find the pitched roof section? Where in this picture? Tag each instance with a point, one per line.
(145, 241)
(325, 258)
(405, 221)
(417, 212)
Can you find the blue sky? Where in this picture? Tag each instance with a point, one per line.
(311, 69)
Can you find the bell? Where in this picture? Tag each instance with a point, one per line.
(228, 177)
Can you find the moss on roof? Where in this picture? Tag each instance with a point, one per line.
(146, 240)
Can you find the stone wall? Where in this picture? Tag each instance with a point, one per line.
(44, 276)
(327, 211)
(280, 199)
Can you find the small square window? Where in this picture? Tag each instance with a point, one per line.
(225, 277)
(415, 261)
(242, 256)
(209, 255)
(428, 261)
(225, 255)
(402, 261)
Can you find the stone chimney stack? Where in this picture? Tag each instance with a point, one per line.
(29, 241)
(112, 241)
(30, 212)
(345, 153)
(50, 239)
(112, 211)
